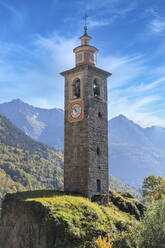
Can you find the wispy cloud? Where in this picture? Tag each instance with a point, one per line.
(158, 25)
(106, 12)
(138, 101)
(15, 12)
(35, 77)
(96, 23)
(124, 69)
(39, 83)
(110, 6)
(58, 49)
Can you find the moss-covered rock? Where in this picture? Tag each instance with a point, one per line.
(125, 202)
(49, 218)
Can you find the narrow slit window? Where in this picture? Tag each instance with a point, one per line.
(98, 151)
(76, 89)
(98, 185)
(96, 88)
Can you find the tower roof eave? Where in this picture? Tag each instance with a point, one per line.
(87, 47)
(85, 66)
(85, 36)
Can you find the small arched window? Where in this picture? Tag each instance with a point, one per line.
(76, 89)
(96, 88)
(98, 185)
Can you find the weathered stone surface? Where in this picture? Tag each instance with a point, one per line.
(126, 194)
(100, 199)
(86, 137)
(23, 224)
(82, 165)
(132, 207)
(31, 224)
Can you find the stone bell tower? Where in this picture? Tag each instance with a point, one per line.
(86, 124)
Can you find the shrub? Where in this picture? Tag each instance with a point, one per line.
(104, 242)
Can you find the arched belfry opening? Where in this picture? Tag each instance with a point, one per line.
(76, 89)
(96, 88)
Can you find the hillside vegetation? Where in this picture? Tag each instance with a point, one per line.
(25, 163)
(73, 221)
(134, 152)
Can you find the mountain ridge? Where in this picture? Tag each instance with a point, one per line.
(134, 151)
(27, 164)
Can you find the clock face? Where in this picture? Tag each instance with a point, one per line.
(76, 111)
(79, 57)
(92, 57)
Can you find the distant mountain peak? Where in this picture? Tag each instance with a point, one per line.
(17, 101)
(45, 125)
(121, 118)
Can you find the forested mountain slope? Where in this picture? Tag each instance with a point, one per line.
(134, 152)
(25, 163)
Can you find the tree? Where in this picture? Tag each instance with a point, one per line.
(153, 187)
(152, 228)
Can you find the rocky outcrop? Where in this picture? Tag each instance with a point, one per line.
(101, 199)
(126, 203)
(28, 222)
(123, 200)
(23, 224)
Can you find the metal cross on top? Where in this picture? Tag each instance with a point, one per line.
(85, 20)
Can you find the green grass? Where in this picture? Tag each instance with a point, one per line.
(79, 220)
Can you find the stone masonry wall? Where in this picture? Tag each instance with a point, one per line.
(82, 166)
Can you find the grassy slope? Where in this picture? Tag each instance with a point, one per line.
(79, 220)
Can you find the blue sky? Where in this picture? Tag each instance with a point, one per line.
(37, 38)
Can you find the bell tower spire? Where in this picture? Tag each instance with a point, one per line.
(86, 123)
(85, 53)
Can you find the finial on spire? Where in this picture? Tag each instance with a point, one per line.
(85, 26)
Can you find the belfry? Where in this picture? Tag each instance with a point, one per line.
(86, 123)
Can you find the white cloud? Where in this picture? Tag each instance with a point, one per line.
(141, 103)
(57, 49)
(124, 69)
(97, 23)
(105, 12)
(129, 95)
(117, 7)
(158, 25)
(35, 78)
(40, 84)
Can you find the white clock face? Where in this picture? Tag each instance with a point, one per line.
(76, 111)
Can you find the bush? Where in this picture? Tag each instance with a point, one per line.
(104, 242)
